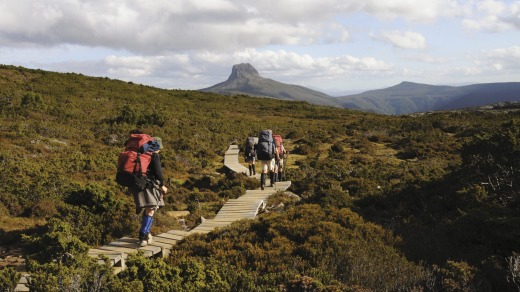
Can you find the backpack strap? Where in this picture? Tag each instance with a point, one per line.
(136, 162)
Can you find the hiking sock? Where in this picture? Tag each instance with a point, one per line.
(149, 226)
(250, 170)
(271, 175)
(262, 180)
(253, 167)
(280, 176)
(146, 224)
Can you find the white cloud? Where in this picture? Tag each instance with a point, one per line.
(504, 59)
(414, 10)
(514, 17)
(192, 43)
(161, 26)
(403, 40)
(494, 16)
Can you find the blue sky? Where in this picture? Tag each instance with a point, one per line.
(335, 46)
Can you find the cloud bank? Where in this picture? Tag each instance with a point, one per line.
(194, 43)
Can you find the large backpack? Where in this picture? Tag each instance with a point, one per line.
(133, 162)
(250, 146)
(278, 142)
(265, 145)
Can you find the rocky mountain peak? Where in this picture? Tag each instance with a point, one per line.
(244, 70)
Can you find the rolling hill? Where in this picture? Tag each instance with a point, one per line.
(409, 97)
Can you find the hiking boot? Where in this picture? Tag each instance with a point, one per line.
(150, 238)
(144, 239)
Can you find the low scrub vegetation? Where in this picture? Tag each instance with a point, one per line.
(388, 203)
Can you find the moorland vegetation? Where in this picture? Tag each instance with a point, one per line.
(425, 202)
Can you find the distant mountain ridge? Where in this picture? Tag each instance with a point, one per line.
(409, 97)
(245, 79)
(404, 98)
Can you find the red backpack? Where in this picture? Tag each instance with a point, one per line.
(133, 162)
(278, 142)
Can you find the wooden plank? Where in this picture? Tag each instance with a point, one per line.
(223, 212)
(169, 241)
(165, 250)
(230, 212)
(224, 221)
(282, 185)
(129, 240)
(211, 226)
(200, 230)
(95, 251)
(250, 204)
(213, 223)
(171, 236)
(238, 209)
(252, 197)
(133, 245)
(245, 203)
(154, 249)
(21, 288)
(237, 214)
(154, 243)
(118, 249)
(179, 232)
(24, 279)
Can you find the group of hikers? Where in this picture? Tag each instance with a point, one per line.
(268, 149)
(139, 169)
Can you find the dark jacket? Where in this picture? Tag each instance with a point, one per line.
(154, 171)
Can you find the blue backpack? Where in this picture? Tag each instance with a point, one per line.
(265, 146)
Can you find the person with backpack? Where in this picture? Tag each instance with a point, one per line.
(265, 150)
(146, 179)
(279, 157)
(250, 154)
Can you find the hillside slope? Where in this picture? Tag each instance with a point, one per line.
(377, 194)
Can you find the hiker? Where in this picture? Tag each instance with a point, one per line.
(151, 198)
(279, 156)
(250, 154)
(265, 150)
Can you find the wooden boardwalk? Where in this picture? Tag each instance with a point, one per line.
(231, 160)
(244, 207)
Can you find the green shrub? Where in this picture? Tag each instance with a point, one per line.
(8, 278)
